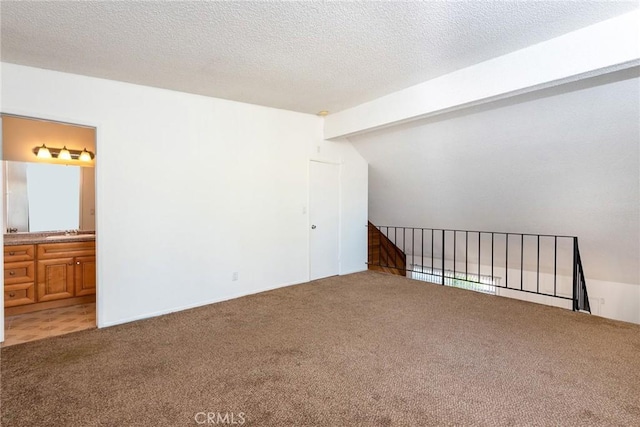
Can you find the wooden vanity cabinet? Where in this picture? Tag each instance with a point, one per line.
(19, 275)
(66, 270)
(48, 275)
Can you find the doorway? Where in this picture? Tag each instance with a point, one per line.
(49, 220)
(324, 218)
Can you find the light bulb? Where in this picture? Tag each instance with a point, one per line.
(64, 154)
(43, 152)
(85, 156)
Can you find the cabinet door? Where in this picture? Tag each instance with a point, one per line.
(85, 275)
(55, 279)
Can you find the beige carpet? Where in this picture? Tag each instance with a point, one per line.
(367, 349)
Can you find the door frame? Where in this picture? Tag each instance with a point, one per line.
(96, 167)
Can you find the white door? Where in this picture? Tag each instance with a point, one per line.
(323, 215)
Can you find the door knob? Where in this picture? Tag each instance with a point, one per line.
(12, 273)
(313, 227)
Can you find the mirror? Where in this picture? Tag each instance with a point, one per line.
(48, 197)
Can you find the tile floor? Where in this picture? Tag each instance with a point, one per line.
(48, 323)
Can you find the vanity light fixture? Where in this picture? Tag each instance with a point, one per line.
(44, 152)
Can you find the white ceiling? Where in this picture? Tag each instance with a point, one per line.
(301, 56)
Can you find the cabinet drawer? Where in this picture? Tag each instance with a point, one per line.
(63, 250)
(18, 253)
(19, 272)
(20, 294)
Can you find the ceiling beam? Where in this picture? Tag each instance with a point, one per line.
(608, 46)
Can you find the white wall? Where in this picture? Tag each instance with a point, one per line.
(189, 189)
(4, 220)
(560, 161)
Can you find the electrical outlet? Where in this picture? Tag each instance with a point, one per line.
(234, 276)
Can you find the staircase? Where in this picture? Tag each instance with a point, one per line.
(384, 255)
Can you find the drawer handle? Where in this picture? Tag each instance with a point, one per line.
(12, 294)
(12, 253)
(12, 273)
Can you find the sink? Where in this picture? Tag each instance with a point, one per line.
(68, 236)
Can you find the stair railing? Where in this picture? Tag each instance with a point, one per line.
(541, 264)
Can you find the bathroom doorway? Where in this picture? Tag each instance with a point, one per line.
(48, 181)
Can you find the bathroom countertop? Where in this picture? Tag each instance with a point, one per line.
(14, 239)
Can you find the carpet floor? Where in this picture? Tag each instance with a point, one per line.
(367, 349)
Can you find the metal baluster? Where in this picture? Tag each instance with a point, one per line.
(401, 252)
(555, 264)
(492, 279)
(575, 273)
(479, 258)
(506, 260)
(379, 246)
(538, 268)
(432, 251)
(404, 232)
(386, 258)
(413, 247)
(395, 248)
(466, 255)
(521, 260)
(387, 248)
(442, 257)
(422, 249)
(455, 232)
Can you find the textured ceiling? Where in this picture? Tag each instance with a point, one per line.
(301, 56)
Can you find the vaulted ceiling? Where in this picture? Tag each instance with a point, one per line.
(301, 56)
